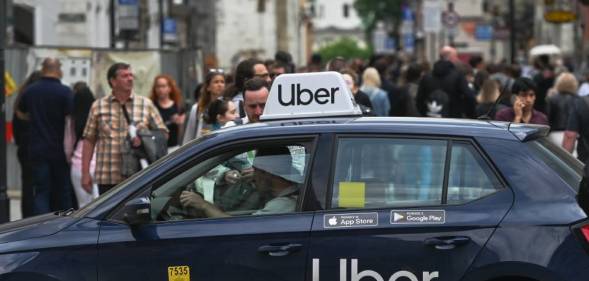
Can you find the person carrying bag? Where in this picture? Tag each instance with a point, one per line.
(153, 146)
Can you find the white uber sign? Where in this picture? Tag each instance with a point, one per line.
(317, 94)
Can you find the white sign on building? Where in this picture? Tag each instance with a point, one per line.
(432, 16)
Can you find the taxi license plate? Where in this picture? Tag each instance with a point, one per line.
(178, 273)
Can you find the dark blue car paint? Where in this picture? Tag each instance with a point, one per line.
(522, 230)
(38, 226)
(389, 248)
(209, 247)
(541, 196)
(540, 220)
(69, 254)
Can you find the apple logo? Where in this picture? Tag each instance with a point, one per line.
(333, 221)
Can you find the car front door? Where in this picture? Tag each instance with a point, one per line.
(251, 243)
(405, 209)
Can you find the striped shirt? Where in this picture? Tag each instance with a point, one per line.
(107, 128)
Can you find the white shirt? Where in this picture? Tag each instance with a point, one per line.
(584, 89)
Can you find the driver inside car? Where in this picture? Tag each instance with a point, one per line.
(274, 177)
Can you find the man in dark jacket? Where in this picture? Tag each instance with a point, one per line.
(48, 102)
(445, 82)
(544, 80)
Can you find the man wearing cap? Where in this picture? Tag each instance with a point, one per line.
(274, 176)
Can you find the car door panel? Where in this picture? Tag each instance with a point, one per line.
(252, 246)
(396, 249)
(390, 248)
(218, 249)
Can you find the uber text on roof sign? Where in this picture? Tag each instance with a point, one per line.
(304, 96)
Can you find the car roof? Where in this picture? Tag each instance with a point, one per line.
(323, 103)
(394, 125)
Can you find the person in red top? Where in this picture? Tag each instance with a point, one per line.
(523, 107)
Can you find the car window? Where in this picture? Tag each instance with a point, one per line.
(566, 166)
(470, 177)
(253, 180)
(380, 172)
(404, 172)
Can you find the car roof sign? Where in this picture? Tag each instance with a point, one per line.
(303, 95)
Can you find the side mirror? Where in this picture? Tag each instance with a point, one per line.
(137, 211)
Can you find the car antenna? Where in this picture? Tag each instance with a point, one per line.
(499, 98)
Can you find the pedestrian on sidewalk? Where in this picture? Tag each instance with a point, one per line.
(108, 128)
(83, 99)
(212, 89)
(167, 98)
(48, 102)
(21, 125)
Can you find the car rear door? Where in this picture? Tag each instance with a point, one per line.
(405, 208)
(244, 246)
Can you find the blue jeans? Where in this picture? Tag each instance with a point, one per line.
(52, 188)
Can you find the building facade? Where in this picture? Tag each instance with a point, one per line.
(79, 23)
(259, 28)
(333, 20)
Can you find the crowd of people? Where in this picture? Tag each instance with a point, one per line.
(70, 144)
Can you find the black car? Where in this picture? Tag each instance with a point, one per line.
(330, 198)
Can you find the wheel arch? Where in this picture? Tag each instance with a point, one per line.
(509, 270)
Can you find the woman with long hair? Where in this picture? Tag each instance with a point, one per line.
(167, 98)
(212, 89)
(21, 126)
(371, 85)
(83, 99)
(487, 98)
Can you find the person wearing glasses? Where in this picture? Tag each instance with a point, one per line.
(245, 71)
(211, 90)
(276, 69)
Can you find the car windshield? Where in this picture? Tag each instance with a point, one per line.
(563, 163)
(86, 209)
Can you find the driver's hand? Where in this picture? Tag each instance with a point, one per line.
(232, 176)
(192, 199)
(247, 174)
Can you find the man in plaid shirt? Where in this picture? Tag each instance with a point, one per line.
(107, 128)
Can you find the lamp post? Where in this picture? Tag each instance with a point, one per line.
(4, 202)
(113, 39)
(512, 31)
(160, 12)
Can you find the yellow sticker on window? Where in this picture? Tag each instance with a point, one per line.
(352, 194)
(178, 273)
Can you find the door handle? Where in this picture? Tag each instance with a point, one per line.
(447, 242)
(279, 250)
